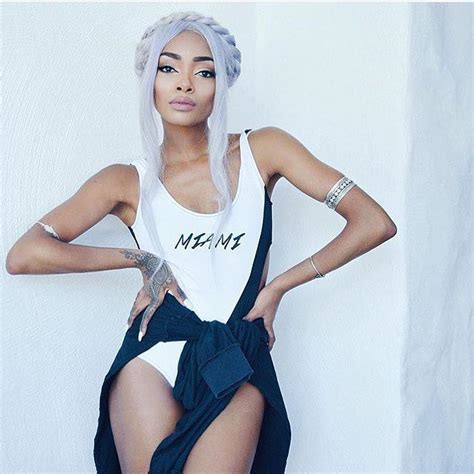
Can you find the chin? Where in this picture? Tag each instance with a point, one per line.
(183, 121)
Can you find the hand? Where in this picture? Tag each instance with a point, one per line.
(155, 286)
(266, 305)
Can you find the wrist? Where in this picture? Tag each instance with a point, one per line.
(140, 259)
(148, 262)
(278, 286)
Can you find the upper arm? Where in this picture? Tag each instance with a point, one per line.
(288, 157)
(96, 198)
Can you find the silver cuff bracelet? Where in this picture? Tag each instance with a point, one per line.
(338, 191)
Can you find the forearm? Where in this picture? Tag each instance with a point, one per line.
(353, 241)
(53, 256)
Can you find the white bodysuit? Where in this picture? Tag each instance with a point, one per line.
(184, 235)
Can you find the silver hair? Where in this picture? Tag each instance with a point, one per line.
(226, 58)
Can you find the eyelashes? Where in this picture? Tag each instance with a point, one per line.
(212, 73)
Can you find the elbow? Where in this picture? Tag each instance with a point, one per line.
(377, 228)
(381, 231)
(12, 266)
(386, 233)
(15, 263)
(383, 226)
(389, 229)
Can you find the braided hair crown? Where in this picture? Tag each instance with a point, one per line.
(232, 63)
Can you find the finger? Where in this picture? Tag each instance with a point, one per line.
(140, 299)
(270, 343)
(144, 322)
(252, 314)
(179, 293)
(147, 315)
(271, 336)
(138, 306)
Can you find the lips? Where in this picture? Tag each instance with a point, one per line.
(181, 106)
(183, 100)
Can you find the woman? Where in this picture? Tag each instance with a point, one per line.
(193, 387)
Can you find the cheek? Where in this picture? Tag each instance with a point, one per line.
(158, 89)
(210, 92)
(162, 87)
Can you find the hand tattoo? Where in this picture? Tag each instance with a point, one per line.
(155, 279)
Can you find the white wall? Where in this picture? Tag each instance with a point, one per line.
(345, 80)
(337, 83)
(437, 391)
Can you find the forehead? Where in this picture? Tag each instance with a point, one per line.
(188, 44)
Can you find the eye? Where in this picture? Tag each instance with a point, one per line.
(161, 68)
(211, 73)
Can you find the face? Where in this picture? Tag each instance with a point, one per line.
(184, 71)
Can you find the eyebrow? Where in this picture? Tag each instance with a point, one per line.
(178, 57)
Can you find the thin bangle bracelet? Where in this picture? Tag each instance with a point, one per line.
(49, 229)
(318, 274)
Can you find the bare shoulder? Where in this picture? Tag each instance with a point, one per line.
(118, 182)
(125, 178)
(121, 185)
(268, 144)
(281, 153)
(264, 143)
(119, 178)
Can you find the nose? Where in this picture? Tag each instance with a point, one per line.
(184, 84)
(185, 87)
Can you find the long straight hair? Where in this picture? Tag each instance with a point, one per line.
(216, 128)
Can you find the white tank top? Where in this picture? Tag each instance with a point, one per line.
(185, 237)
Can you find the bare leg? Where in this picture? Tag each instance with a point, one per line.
(229, 443)
(142, 413)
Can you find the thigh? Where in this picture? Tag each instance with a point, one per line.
(142, 413)
(230, 441)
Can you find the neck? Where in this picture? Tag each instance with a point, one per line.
(183, 144)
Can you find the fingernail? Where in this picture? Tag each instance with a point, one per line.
(140, 335)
